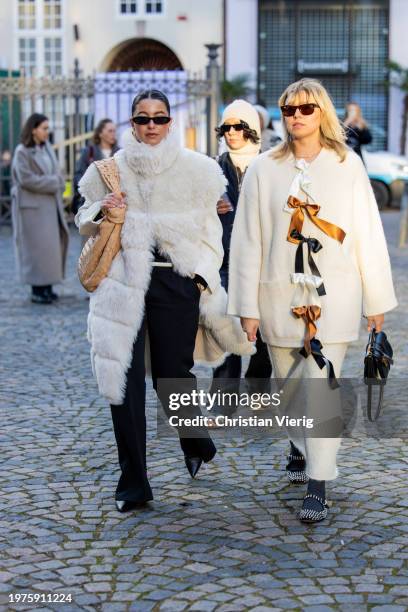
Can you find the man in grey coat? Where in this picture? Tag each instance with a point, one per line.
(40, 230)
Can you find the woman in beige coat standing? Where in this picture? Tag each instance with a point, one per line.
(308, 258)
(40, 229)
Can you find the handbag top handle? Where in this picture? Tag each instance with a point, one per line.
(109, 172)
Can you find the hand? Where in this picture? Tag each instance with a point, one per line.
(250, 327)
(376, 321)
(112, 200)
(354, 123)
(200, 282)
(224, 207)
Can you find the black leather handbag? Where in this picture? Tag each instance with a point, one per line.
(377, 364)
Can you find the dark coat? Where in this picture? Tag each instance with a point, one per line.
(89, 154)
(39, 226)
(355, 137)
(227, 220)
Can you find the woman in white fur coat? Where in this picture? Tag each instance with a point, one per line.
(164, 283)
(308, 257)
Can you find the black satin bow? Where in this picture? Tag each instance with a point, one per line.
(313, 246)
(321, 361)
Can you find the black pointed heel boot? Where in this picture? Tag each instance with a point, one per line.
(193, 465)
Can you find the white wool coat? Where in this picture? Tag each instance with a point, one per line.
(171, 196)
(356, 274)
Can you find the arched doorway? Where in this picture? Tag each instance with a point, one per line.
(141, 54)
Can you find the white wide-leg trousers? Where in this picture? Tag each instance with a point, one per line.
(289, 365)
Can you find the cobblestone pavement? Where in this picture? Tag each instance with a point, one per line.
(228, 541)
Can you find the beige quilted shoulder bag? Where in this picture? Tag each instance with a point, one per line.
(99, 251)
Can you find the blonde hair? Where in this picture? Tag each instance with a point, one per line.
(359, 113)
(332, 135)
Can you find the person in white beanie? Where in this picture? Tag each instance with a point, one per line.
(240, 129)
(269, 137)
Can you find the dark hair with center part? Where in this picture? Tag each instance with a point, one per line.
(96, 138)
(151, 94)
(32, 122)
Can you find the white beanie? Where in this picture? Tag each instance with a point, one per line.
(264, 114)
(240, 109)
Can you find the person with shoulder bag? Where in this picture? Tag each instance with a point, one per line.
(308, 256)
(162, 291)
(102, 146)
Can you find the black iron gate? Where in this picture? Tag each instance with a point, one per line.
(72, 105)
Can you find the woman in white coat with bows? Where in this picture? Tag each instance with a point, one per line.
(308, 258)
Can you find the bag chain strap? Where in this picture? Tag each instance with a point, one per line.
(369, 402)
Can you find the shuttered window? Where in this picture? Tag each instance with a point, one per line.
(343, 43)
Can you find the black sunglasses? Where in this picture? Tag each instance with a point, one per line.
(238, 127)
(288, 110)
(142, 120)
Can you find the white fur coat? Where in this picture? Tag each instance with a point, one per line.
(171, 196)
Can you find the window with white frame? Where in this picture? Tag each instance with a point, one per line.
(53, 56)
(127, 7)
(27, 55)
(26, 16)
(52, 14)
(39, 42)
(141, 8)
(154, 7)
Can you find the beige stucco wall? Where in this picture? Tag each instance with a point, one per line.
(242, 39)
(103, 30)
(6, 33)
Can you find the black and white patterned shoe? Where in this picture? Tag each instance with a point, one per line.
(313, 511)
(295, 469)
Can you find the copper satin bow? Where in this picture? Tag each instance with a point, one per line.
(309, 314)
(298, 216)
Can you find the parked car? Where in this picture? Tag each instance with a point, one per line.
(388, 172)
(388, 175)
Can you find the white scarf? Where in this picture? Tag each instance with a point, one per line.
(306, 283)
(301, 183)
(241, 158)
(149, 160)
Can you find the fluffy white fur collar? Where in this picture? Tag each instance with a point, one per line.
(149, 160)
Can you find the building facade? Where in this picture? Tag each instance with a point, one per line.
(44, 37)
(345, 43)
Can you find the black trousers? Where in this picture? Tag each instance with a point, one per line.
(171, 319)
(259, 365)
